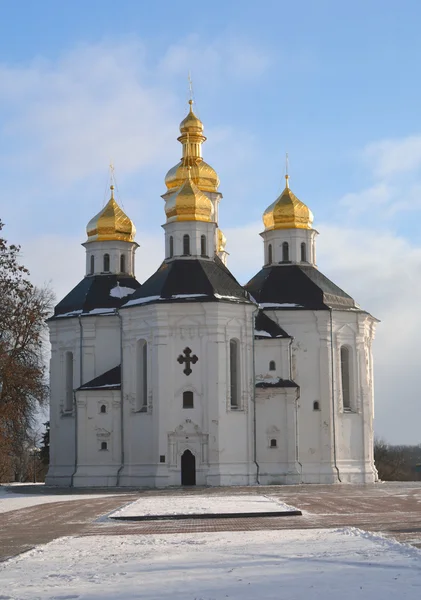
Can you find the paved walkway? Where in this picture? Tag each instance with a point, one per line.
(391, 508)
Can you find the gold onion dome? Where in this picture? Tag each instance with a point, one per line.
(189, 203)
(287, 212)
(222, 241)
(111, 223)
(202, 174)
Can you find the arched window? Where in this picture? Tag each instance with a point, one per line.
(234, 373)
(303, 252)
(103, 409)
(142, 375)
(171, 246)
(316, 405)
(122, 263)
(346, 378)
(203, 245)
(285, 252)
(68, 399)
(92, 264)
(106, 262)
(186, 245)
(273, 443)
(272, 365)
(104, 446)
(187, 399)
(270, 256)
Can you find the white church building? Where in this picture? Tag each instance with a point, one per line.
(191, 378)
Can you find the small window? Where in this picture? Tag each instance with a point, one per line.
(104, 446)
(273, 444)
(92, 264)
(285, 252)
(103, 409)
(272, 365)
(187, 399)
(270, 256)
(162, 458)
(316, 405)
(122, 263)
(106, 262)
(203, 245)
(171, 246)
(186, 245)
(303, 252)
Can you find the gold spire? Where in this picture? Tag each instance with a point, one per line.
(189, 203)
(111, 223)
(192, 138)
(287, 212)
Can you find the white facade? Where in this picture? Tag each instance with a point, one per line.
(178, 385)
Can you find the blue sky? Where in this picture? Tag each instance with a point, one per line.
(333, 83)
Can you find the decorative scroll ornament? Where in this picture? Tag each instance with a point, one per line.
(188, 360)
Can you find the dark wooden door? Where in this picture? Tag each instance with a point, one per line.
(188, 468)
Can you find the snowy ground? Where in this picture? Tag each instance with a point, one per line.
(193, 504)
(9, 500)
(258, 565)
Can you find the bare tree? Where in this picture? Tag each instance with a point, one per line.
(23, 388)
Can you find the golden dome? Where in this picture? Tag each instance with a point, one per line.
(287, 212)
(111, 223)
(202, 174)
(191, 124)
(189, 204)
(222, 242)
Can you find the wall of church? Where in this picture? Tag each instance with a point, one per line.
(99, 438)
(100, 351)
(272, 359)
(334, 444)
(158, 434)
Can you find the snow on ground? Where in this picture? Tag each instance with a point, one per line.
(188, 505)
(263, 565)
(11, 501)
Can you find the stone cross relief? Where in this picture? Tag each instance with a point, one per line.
(188, 360)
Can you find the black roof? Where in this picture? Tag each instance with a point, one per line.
(110, 380)
(195, 280)
(266, 324)
(280, 383)
(93, 292)
(300, 287)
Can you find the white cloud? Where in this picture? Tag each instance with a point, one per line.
(226, 57)
(391, 157)
(370, 199)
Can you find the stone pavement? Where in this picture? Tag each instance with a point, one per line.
(393, 509)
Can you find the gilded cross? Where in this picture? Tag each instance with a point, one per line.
(188, 360)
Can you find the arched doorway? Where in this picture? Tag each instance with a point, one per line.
(188, 468)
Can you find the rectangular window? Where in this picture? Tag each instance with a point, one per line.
(187, 399)
(68, 400)
(234, 373)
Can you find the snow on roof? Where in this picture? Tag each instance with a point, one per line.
(280, 305)
(120, 291)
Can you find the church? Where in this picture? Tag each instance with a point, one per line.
(191, 378)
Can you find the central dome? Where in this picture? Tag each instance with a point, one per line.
(189, 204)
(287, 212)
(202, 174)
